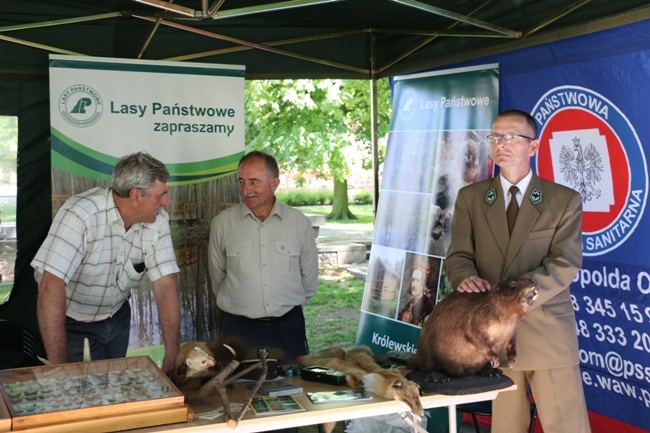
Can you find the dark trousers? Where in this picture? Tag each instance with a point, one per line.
(286, 332)
(108, 338)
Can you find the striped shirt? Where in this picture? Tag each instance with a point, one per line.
(88, 247)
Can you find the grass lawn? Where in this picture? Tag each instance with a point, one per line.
(332, 315)
(8, 212)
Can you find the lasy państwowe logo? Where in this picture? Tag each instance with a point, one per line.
(80, 105)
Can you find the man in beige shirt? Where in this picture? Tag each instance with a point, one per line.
(263, 262)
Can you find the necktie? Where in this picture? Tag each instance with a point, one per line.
(513, 208)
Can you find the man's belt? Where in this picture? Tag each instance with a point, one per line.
(269, 320)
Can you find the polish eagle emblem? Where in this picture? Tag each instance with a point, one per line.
(582, 168)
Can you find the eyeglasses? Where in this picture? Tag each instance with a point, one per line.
(495, 138)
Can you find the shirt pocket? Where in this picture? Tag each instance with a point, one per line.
(287, 258)
(239, 257)
(129, 278)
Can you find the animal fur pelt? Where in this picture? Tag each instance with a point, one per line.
(364, 373)
(198, 362)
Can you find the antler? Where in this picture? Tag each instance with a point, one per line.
(223, 378)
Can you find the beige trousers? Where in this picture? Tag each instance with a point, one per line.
(559, 397)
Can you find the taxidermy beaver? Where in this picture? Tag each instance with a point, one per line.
(466, 331)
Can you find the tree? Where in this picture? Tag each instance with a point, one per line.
(8, 149)
(316, 125)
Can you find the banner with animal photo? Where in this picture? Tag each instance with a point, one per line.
(437, 144)
(188, 115)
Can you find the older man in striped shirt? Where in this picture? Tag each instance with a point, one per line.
(100, 245)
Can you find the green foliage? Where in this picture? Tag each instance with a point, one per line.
(8, 212)
(322, 197)
(8, 149)
(300, 179)
(358, 116)
(318, 125)
(309, 124)
(297, 121)
(304, 197)
(362, 197)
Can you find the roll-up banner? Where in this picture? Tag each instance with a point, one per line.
(437, 144)
(188, 115)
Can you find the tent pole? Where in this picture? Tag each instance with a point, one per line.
(374, 128)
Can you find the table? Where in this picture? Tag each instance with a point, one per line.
(315, 414)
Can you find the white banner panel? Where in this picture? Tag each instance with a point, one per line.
(189, 115)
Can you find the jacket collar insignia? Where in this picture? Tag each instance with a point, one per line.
(535, 196)
(491, 196)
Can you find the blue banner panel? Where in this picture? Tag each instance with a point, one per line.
(590, 109)
(589, 96)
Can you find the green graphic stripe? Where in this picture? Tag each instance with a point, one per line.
(154, 69)
(95, 155)
(79, 159)
(72, 157)
(62, 163)
(209, 166)
(186, 180)
(79, 151)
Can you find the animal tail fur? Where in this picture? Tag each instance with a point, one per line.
(362, 372)
(354, 375)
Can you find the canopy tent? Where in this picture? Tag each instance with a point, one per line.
(296, 38)
(365, 39)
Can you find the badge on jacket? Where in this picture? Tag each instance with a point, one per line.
(491, 196)
(536, 196)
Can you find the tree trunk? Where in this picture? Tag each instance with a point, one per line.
(340, 208)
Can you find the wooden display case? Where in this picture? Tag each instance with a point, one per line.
(98, 396)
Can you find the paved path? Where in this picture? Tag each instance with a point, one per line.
(332, 233)
(345, 234)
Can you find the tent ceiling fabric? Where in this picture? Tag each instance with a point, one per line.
(296, 38)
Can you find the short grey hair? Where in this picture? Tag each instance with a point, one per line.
(269, 161)
(137, 171)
